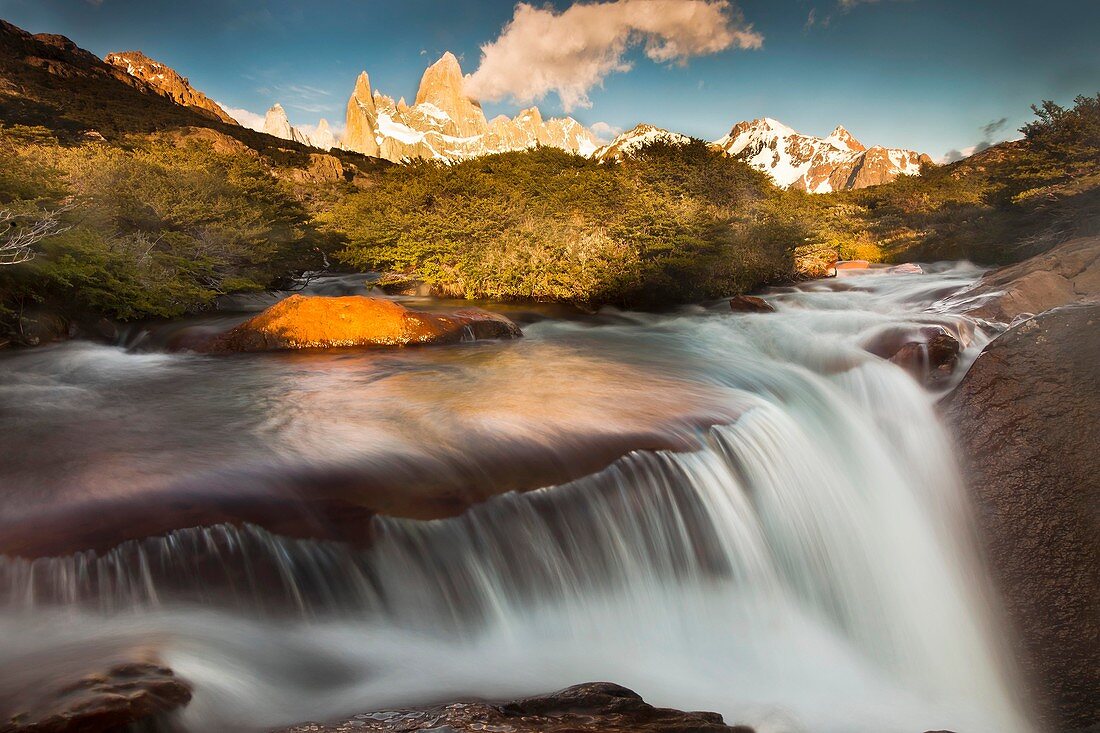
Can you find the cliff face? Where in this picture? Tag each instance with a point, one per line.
(277, 124)
(1025, 416)
(816, 164)
(445, 124)
(166, 82)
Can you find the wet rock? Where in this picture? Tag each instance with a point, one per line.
(1026, 420)
(301, 322)
(594, 706)
(88, 694)
(1069, 273)
(852, 265)
(750, 304)
(929, 353)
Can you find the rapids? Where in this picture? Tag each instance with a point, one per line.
(784, 538)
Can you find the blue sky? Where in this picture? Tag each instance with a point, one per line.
(922, 74)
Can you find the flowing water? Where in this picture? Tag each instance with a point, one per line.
(787, 543)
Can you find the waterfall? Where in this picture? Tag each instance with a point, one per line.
(807, 567)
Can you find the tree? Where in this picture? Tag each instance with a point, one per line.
(20, 232)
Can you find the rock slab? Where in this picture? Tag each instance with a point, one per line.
(300, 322)
(88, 694)
(1026, 415)
(1069, 273)
(594, 706)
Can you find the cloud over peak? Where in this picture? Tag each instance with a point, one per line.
(569, 52)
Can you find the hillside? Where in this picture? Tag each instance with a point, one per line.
(47, 80)
(155, 208)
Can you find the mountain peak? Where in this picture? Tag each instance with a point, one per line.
(362, 86)
(815, 164)
(446, 124)
(844, 139)
(277, 125)
(636, 138)
(166, 82)
(443, 87)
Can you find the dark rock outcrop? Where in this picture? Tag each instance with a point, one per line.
(88, 692)
(1026, 416)
(595, 706)
(750, 304)
(301, 322)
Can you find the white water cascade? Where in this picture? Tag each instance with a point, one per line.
(807, 567)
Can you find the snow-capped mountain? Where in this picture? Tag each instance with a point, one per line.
(816, 164)
(445, 124)
(276, 123)
(166, 82)
(636, 138)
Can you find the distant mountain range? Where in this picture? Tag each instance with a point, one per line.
(443, 123)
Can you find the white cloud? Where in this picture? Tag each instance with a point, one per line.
(541, 51)
(604, 131)
(246, 118)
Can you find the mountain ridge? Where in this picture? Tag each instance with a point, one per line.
(446, 124)
(167, 82)
(815, 164)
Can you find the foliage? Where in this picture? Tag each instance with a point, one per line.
(158, 228)
(672, 224)
(1000, 205)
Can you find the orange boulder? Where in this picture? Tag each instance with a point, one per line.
(300, 322)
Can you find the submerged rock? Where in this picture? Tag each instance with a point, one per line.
(594, 706)
(301, 322)
(750, 304)
(1026, 419)
(89, 693)
(929, 353)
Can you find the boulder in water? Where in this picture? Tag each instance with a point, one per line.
(1069, 273)
(928, 353)
(852, 265)
(1026, 419)
(594, 706)
(750, 304)
(88, 692)
(318, 322)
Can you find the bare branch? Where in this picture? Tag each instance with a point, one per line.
(20, 232)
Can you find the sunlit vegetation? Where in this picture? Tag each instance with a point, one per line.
(667, 226)
(160, 224)
(159, 228)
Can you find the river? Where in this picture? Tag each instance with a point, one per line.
(745, 513)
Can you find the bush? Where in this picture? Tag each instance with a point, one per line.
(669, 225)
(159, 228)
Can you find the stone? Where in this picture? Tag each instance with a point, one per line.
(1068, 273)
(851, 265)
(750, 304)
(594, 706)
(88, 694)
(317, 322)
(1026, 420)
